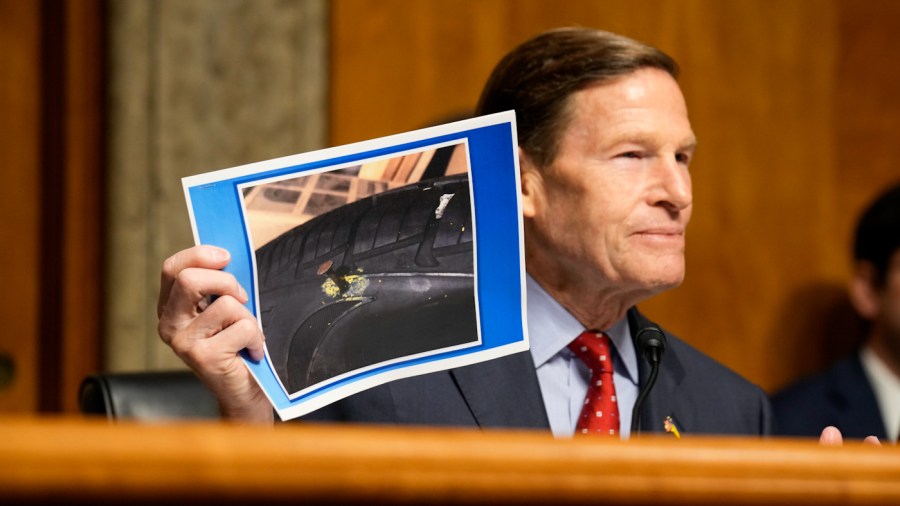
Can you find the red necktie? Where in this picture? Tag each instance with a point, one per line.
(600, 413)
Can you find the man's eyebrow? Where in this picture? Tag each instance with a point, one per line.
(633, 138)
(689, 144)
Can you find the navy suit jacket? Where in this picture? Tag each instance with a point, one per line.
(841, 396)
(701, 395)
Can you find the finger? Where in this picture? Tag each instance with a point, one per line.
(218, 354)
(221, 314)
(245, 334)
(831, 436)
(208, 257)
(872, 441)
(191, 288)
(229, 325)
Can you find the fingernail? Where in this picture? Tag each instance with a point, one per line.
(221, 254)
(244, 295)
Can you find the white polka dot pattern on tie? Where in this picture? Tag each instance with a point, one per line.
(593, 349)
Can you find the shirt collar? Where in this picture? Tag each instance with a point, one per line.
(887, 390)
(551, 328)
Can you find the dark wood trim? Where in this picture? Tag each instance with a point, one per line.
(51, 190)
(83, 217)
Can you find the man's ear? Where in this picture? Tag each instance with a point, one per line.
(531, 185)
(864, 293)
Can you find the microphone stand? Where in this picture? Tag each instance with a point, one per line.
(651, 343)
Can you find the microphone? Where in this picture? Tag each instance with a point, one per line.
(650, 343)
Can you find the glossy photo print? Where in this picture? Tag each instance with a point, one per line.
(374, 261)
(363, 266)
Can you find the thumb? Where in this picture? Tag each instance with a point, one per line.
(831, 436)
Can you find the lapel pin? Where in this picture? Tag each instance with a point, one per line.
(671, 428)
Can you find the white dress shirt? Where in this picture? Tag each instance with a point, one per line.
(887, 390)
(562, 376)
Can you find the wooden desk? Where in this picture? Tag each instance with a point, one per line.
(72, 461)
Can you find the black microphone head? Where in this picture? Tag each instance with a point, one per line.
(651, 343)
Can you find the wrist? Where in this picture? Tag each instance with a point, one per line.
(259, 413)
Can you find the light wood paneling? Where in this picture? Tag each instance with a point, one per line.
(795, 107)
(867, 111)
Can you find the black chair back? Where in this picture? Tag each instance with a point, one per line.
(147, 396)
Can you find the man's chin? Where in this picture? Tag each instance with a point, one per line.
(661, 281)
(647, 288)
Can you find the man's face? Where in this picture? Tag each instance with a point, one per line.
(612, 208)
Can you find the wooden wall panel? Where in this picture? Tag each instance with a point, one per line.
(794, 106)
(867, 105)
(19, 208)
(82, 218)
(51, 163)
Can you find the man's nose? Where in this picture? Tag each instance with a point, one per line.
(672, 187)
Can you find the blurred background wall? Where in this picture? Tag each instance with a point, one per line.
(105, 105)
(194, 86)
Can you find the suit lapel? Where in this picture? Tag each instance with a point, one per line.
(503, 392)
(663, 400)
(853, 399)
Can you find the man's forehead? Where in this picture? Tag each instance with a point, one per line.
(649, 121)
(634, 85)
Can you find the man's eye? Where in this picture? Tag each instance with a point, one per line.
(631, 154)
(682, 158)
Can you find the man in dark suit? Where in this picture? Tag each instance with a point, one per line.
(604, 149)
(860, 395)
